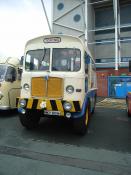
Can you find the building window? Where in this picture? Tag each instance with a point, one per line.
(77, 18)
(105, 60)
(105, 41)
(60, 6)
(104, 17)
(98, 60)
(125, 11)
(125, 59)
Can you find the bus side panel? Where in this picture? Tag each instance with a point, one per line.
(91, 95)
(13, 94)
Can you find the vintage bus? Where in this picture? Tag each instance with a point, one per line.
(9, 82)
(58, 80)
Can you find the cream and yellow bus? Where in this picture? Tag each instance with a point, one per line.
(58, 80)
(9, 83)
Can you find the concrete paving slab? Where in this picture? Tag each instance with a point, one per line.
(10, 165)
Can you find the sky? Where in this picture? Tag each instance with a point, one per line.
(21, 20)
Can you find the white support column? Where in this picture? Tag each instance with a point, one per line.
(115, 5)
(43, 5)
(119, 32)
(86, 22)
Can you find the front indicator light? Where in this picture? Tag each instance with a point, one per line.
(21, 110)
(67, 106)
(22, 103)
(68, 115)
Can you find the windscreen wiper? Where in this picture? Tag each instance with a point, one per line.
(43, 57)
(44, 50)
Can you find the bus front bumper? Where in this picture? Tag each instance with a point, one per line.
(47, 107)
(5, 108)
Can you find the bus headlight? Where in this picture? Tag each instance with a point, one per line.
(70, 89)
(67, 106)
(22, 103)
(26, 86)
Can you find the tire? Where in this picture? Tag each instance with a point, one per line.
(29, 120)
(128, 112)
(80, 125)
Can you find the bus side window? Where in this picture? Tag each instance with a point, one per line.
(11, 74)
(87, 61)
(93, 66)
(20, 70)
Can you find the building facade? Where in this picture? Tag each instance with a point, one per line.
(105, 26)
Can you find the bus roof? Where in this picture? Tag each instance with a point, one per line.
(10, 60)
(63, 38)
(59, 39)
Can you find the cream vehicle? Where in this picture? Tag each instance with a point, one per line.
(9, 83)
(58, 80)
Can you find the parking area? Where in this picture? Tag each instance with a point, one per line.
(53, 148)
(112, 103)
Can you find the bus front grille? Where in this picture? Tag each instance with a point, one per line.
(50, 88)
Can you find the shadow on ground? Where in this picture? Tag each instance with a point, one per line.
(108, 129)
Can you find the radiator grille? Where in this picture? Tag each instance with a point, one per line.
(51, 88)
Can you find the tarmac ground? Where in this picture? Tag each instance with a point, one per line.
(53, 148)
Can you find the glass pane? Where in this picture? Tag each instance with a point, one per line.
(10, 74)
(2, 72)
(37, 60)
(66, 59)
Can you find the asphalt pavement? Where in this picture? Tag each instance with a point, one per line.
(53, 148)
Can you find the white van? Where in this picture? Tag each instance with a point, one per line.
(58, 80)
(9, 83)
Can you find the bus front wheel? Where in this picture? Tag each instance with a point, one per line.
(80, 125)
(29, 120)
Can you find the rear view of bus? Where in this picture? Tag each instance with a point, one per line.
(58, 80)
(9, 83)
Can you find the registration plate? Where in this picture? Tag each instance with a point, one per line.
(51, 112)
